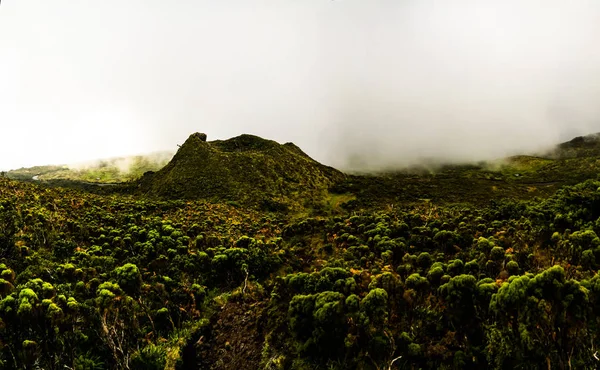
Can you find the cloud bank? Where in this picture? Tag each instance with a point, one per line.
(357, 84)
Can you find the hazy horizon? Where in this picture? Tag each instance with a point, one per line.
(356, 84)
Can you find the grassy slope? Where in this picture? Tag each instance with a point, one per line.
(245, 169)
(111, 170)
(518, 177)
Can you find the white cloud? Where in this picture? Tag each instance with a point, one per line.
(384, 81)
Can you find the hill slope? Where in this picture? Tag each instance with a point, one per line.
(255, 171)
(246, 169)
(581, 146)
(118, 281)
(110, 170)
(519, 177)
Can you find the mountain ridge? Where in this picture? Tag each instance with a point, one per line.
(246, 169)
(250, 170)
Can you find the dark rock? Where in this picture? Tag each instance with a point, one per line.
(200, 135)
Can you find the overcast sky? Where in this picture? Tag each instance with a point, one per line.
(355, 83)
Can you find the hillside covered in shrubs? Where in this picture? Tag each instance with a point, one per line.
(206, 265)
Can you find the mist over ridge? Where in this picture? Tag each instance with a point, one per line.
(357, 85)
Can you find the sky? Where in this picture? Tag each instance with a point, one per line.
(357, 84)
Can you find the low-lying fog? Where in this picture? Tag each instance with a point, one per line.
(357, 84)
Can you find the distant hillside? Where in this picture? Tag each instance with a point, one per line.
(245, 169)
(249, 170)
(581, 146)
(112, 170)
(518, 177)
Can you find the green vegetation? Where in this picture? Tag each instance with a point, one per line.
(404, 271)
(107, 171)
(246, 169)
